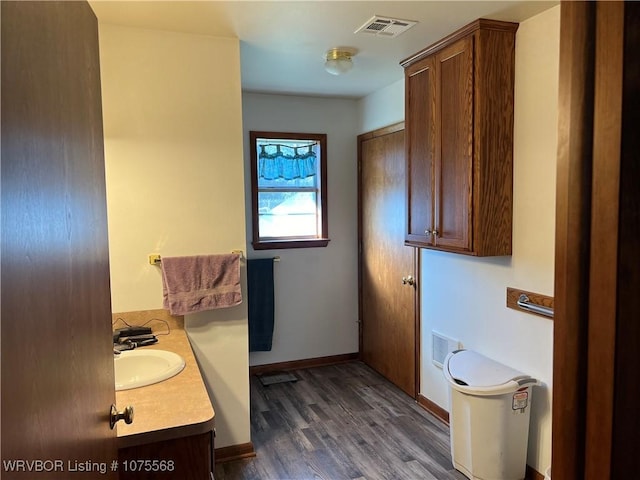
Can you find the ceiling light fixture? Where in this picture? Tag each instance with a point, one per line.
(338, 60)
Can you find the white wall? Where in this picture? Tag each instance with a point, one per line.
(316, 298)
(175, 186)
(382, 108)
(465, 298)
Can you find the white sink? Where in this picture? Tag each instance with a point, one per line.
(137, 368)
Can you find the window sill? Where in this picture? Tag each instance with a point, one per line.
(280, 244)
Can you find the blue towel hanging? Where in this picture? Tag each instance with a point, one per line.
(260, 297)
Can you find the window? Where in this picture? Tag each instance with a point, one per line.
(289, 190)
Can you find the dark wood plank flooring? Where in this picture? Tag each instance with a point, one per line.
(341, 422)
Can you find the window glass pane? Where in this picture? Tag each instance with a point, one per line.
(287, 214)
(282, 183)
(287, 160)
(288, 190)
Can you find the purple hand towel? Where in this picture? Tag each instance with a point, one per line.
(200, 282)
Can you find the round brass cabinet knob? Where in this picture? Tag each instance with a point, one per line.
(116, 416)
(408, 280)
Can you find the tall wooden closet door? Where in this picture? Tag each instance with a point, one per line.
(387, 267)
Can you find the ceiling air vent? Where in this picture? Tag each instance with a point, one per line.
(385, 26)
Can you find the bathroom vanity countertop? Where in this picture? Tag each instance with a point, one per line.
(173, 408)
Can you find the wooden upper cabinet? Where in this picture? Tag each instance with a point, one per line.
(421, 150)
(459, 141)
(454, 146)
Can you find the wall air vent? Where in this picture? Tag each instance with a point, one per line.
(441, 346)
(385, 26)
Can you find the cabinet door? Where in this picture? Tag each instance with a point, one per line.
(420, 131)
(454, 146)
(186, 458)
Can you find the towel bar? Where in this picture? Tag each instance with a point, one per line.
(530, 302)
(155, 259)
(524, 302)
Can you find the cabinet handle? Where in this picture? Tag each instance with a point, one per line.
(427, 233)
(435, 233)
(409, 280)
(116, 416)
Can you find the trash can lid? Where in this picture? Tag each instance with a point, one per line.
(471, 369)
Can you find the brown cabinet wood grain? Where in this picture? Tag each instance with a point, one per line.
(459, 141)
(56, 372)
(187, 458)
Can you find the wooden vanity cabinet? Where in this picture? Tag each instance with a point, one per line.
(459, 141)
(186, 458)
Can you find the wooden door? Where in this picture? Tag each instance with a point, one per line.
(388, 341)
(57, 358)
(454, 145)
(420, 149)
(597, 273)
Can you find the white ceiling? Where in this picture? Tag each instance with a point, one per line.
(282, 43)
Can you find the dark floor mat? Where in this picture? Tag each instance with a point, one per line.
(276, 377)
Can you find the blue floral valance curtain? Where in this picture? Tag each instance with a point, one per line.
(286, 162)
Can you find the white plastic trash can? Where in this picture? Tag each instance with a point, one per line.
(489, 418)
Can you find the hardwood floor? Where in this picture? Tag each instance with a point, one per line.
(341, 422)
